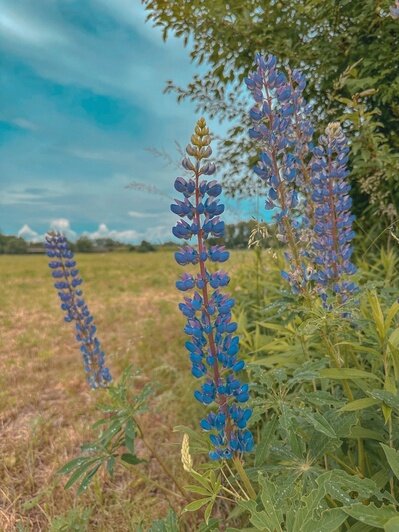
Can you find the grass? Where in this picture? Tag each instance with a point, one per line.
(46, 408)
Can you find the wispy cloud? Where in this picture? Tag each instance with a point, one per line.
(138, 214)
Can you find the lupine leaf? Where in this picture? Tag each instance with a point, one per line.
(71, 465)
(262, 447)
(86, 481)
(79, 472)
(196, 505)
(359, 404)
(130, 458)
(371, 515)
(393, 458)
(346, 373)
(392, 525)
(320, 424)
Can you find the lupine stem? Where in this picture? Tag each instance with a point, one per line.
(160, 461)
(244, 477)
(216, 373)
(212, 347)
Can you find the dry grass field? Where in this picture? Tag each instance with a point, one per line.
(46, 408)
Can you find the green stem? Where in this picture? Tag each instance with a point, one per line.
(160, 461)
(244, 477)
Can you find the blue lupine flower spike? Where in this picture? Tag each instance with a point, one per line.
(333, 231)
(67, 285)
(212, 347)
(394, 10)
(283, 132)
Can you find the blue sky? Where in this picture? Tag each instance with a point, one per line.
(81, 91)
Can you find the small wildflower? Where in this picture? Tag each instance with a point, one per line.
(68, 281)
(212, 347)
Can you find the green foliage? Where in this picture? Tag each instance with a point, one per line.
(145, 247)
(325, 402)
(76, 520)
(347, 49)
(117, 432)
(84, 245)
(12, 245)
(169, 524)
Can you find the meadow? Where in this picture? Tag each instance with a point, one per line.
(46, 407)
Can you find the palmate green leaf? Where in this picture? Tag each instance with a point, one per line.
(130, 429)
(88, 478)
(111, 465)
(359, 404)
(168, 524)
(196, 505)
(80, 471)
(267, 495)
(386, 397)
(392, 525)
(193, 488)
(371, 515)
(330, 521)
(262, 447)
(69, 466)
(320, 424)
(259, 518)
(341, 487)
(208, 511)
(131, 459)
(212, 526)
(346, 374)
(367, 434)
(393, 458)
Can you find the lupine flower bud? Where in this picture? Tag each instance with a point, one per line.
(212, 348)
(67, 282)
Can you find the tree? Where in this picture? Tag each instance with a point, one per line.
(13, 245)
(84, 245)
(345, 48)
(145, 247)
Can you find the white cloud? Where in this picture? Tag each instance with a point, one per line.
(156, 234)
(24, 124)
(29, 234)
(128, 235)
(138, 214)
(63, 226)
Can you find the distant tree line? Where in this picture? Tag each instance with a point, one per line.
(236, 237)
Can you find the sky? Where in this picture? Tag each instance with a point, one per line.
(82, 109)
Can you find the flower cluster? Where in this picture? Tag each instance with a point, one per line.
(333, 219)
(212, 347)
(283, 132)
(67, 283)
(394, 10)
(308, 184)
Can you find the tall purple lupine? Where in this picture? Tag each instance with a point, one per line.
(212, 348)
(67, 284)
(394, 10)
(333, 232)
(283, 131)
